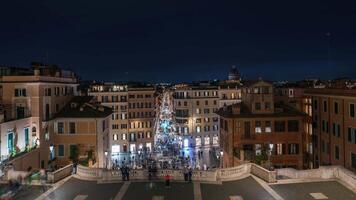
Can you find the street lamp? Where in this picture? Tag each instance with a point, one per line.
(270, 154)
(222, 158)
(106, 159)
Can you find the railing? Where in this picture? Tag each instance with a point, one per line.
(266, 175)
(197, 175)
(234, 172)
(59, 174)
(324, 172)
(89, 173)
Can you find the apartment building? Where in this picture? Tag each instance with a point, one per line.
(196, 121)
(30, 99)
(81, 126)
(334, 126)
(142, 113)
(229, 93)
(259, 128)
(131, 124)
(114, 96)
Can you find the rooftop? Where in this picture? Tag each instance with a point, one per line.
(280, 110)
(84, 107)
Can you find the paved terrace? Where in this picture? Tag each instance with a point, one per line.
(233, 184)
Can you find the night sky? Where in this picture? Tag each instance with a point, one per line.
(182, 40)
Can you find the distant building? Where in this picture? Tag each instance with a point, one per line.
(82, 125)
(196, 121)
(234, 74)
(259, 130)
(132, 120)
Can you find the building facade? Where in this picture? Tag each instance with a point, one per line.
(195, 117)
(132, 120)
(30, 98)
(261, 131)
(81, 132)
(334, 126)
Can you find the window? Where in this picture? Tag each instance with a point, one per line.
(115, 137)
(280, 126)
(293, 148)
(71, 127)
(60, 128)
(215, 127)
(351, 135)
(336, 108)
(206, 111)
(206, 128)
(293, 126)
(198, 129)
(198, 111)
(60, 150)
(206, 119)
(267, 106)
(206, 102)
(268, 128)
(198, 120)
(325, 106)
(315, 104)
(257, 106)
(353, 160)
(148, 134)
(336, 130)
(279, 149)
(337, 152)
(258, 128)
(352, 110)
(20, 92)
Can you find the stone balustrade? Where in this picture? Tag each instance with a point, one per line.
(89, 173)
(59, 174)
(323, 172)
(266, 175)
(234, 172)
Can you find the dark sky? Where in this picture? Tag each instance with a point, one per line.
(182, 40)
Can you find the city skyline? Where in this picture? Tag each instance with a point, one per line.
(157, 42)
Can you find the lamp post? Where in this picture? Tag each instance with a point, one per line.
(106, 159)
(51, 148)
(222, 158)
(270, 154)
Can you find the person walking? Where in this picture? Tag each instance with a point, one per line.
(43, 178)
(75, 165)
(127, 172)
(167, 178)
(190, 173)
(122, 169)
(185, 172)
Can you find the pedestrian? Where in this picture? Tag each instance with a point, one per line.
(185, 172)
(190, 173)
(167, 178)
(29, 176)
(75, 165)
(43, 179)
(127, 172)
(122, 169)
